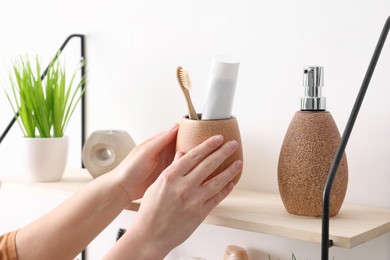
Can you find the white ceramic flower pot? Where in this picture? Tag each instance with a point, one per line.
(45, 159)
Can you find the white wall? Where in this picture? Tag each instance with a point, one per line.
(134, 47)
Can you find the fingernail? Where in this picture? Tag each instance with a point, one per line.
(178, 154)
(230, 186)
(218, 139)
(176, 125)
(238, 165)
(233, 145)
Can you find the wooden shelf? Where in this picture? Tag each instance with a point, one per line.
(265, 213)
(73, 181)
(258, 212)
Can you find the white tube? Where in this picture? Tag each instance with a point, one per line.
(221, 88)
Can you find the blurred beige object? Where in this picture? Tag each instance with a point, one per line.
(233, 252)
(105, 149)
(193, 132)
(192, 258)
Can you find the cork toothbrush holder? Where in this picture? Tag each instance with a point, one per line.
(194, 132)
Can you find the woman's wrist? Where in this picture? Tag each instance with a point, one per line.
(138, 243)
(119, 192)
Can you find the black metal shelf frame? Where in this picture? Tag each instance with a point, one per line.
(326, 243)
(83, 98)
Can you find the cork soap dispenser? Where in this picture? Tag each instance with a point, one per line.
(307, 152)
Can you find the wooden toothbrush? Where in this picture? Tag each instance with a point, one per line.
(185, 85)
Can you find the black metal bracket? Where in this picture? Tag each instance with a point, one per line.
(326, 243)
(83, 98)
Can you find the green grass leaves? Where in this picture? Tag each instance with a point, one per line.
(45, 106)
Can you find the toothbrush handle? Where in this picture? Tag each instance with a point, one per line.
(191, 110)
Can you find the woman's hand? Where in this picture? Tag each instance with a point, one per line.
(72, 225)
(146, 162)
(179, 200)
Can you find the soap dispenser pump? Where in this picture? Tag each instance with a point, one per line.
(307, 152)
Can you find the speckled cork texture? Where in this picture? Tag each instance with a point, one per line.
(194, 132)
(306, 155)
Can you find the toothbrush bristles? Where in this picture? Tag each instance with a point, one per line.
(184, 77)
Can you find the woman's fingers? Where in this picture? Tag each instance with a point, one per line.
(204, 159)
(192, 158)
(213, 161)
(213, 188)
(212, 202)
(178, 155)
(159, 141)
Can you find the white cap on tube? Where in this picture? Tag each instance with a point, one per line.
(221, 88)
(225, 67)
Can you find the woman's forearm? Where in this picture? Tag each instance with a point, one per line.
(68, 229)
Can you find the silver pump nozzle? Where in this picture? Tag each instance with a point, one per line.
(313, 81)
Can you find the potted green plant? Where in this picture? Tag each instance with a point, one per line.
(45, 107)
